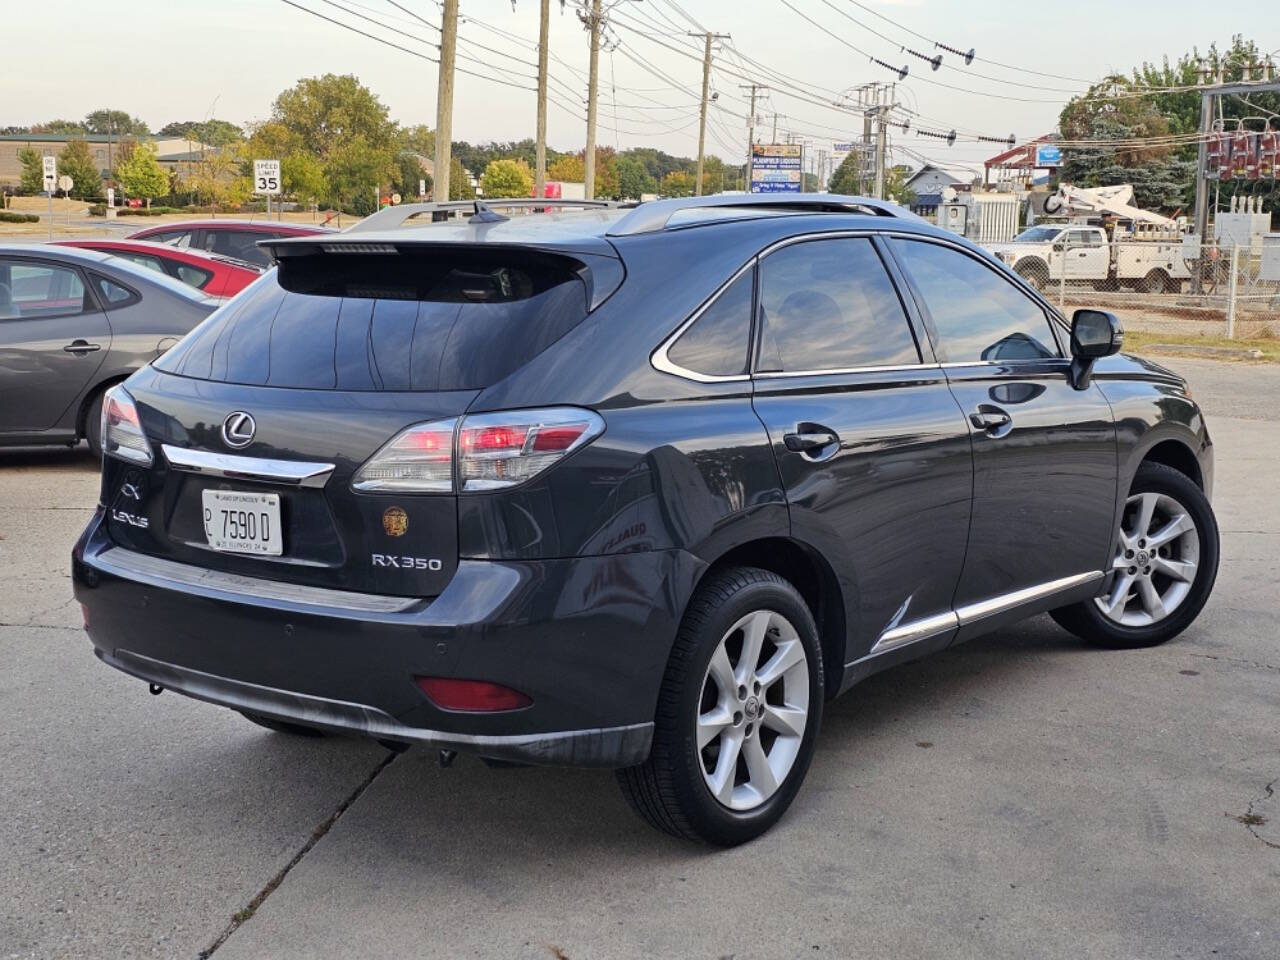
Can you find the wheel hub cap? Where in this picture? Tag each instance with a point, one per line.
(1156, 559)
(753, 710)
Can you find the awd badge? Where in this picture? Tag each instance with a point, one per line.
(395, 521)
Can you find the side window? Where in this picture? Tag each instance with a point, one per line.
(193, 275)
(718, 341)
(113, 294)
(240, 244)
(142, 260)
(39, 290)
(978, 314)
(829, 305)
(175, 238)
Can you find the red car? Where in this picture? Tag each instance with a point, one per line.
(231, 238)
(216, 275)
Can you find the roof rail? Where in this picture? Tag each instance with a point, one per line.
(395, 216)
(653, 217)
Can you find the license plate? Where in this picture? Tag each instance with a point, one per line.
(237, 521)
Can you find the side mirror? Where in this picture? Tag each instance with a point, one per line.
(1094, 334)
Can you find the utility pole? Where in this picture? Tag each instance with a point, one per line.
(880, 152)
(706, 88)
(444, 100)
(540, 162)
(774, 138)
(593, 86)
(751, 127)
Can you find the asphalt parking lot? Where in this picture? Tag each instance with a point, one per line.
(1018, 796)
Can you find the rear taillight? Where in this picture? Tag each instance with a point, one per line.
(122, 434)
(473, 696)
(489, 451)
(419, 459)
(497, 450)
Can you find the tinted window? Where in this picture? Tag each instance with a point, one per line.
(978, 314)
(141, 259)
(175, 238)
(192, 275)
(382, 323)
(240, 244)
(39, 290)
(113, 294)
(717, 342)
(829, 304)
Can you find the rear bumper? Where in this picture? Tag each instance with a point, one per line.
(600, 747)
(586, 638)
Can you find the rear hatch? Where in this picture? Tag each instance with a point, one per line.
(260, 420)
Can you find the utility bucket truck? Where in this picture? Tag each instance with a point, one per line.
(1131, 248)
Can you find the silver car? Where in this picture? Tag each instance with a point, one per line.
(72, 323)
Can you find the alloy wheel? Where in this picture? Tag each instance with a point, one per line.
(1157, 556)
(753, 710)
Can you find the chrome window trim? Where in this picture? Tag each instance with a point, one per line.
(661, 362)
(298, 473)
(889, 368)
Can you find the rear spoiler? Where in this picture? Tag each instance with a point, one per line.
(305, 264)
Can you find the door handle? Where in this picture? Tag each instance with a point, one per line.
(810, 439)
(990, 419)
(81, 346)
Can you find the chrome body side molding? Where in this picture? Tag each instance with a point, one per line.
(915, 631)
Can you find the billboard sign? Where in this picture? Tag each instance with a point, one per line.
(1048, 155)
(776, 167)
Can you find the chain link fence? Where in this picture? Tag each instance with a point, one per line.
(1158, 284)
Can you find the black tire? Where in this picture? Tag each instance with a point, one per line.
(282, 726)
(669, 790)
(1089, 623)
(1156, 281)
(1036, 274)
(93, 424)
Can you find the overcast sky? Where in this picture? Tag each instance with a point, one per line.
(169, 60)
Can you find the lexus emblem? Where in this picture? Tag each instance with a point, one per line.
(238, 429)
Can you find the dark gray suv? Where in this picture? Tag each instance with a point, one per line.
(634, 488)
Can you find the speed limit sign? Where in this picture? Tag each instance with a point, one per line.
(266, 177)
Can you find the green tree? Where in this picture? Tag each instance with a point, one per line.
(569, 168)
(60, 127)
(139, 175)
(419, 138)
(847, 178)
(76, 162)
(32, 170)
(677, 183)
(408, 172)
(328, 113)
(507, 178)
(216, 133)
(115, 121)
(354, 170)
(633, 179)
(302, 177)
(459, 184)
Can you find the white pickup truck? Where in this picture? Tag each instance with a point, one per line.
(1053, 252)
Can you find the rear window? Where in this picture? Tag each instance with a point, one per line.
(396, 322)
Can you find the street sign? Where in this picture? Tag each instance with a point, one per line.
(422, 189)
(266, 177)
(1048, 155)
(395, 198)
(65, 183)
(50, 174)
(776, 167)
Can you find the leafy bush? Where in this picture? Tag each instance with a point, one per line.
(100, 210)
(8, 216)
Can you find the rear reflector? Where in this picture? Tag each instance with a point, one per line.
(474, 696)
(493, 451)
(122, 434)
